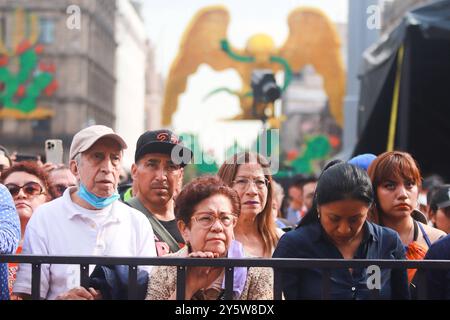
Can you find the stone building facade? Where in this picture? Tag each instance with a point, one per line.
(84, 60)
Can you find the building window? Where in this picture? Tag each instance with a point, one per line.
(41, 129)
(47, 35)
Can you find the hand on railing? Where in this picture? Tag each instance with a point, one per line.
(80, 293)
(200, 277)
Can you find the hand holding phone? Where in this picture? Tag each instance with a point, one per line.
(54, 151)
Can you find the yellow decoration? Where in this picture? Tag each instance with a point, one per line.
(261, 47)
(312, 39)
(20, 25)
(34, 29)
(38, 114)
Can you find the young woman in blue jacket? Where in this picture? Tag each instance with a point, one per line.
(337, 228)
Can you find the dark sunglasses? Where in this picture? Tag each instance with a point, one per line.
(30, 188)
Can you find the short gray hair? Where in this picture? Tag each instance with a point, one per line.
(77, 159)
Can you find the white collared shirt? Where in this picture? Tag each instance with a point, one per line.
(61, 227)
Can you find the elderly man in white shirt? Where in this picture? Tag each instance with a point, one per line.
(86, 220)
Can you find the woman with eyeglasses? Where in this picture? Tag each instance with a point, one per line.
(249, 174)
(28, 185)
(206, 211)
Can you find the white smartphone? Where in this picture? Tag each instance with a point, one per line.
(54, 151)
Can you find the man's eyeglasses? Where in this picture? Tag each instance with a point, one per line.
(30, 189)
(207, 220)
(243, 183)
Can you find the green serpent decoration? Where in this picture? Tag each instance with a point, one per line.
(249, 59)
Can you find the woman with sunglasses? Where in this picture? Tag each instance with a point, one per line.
(28, 185)
(249, 174)
(206, 211)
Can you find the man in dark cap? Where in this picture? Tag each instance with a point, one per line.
(157, 174)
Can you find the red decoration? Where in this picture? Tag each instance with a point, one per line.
(291, 154)
(334, 141)
(51, 88)
(22, 47)
(3, 60)
(20, 91)
(39, 49)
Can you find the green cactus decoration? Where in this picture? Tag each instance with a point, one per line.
(21, 90)
(317, 148)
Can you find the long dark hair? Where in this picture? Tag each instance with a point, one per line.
(340, 181)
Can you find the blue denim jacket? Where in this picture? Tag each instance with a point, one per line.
(310, 241)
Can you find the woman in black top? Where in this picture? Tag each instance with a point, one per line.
(337, 228)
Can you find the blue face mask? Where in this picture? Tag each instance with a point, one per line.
(95, 201)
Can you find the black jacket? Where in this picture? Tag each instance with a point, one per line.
(112, 281)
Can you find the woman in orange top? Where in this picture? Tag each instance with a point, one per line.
(28, 185)
(396, 180)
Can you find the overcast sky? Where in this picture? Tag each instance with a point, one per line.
(166, 22)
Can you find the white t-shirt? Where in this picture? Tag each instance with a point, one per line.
(61, 227)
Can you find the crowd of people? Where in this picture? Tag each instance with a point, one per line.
(370, 207)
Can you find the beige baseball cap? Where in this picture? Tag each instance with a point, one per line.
(85, 138)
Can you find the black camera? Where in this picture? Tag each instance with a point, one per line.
(264, 86)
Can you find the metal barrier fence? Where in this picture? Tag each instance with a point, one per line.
(229, 264)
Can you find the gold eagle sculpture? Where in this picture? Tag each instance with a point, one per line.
(312, 40)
